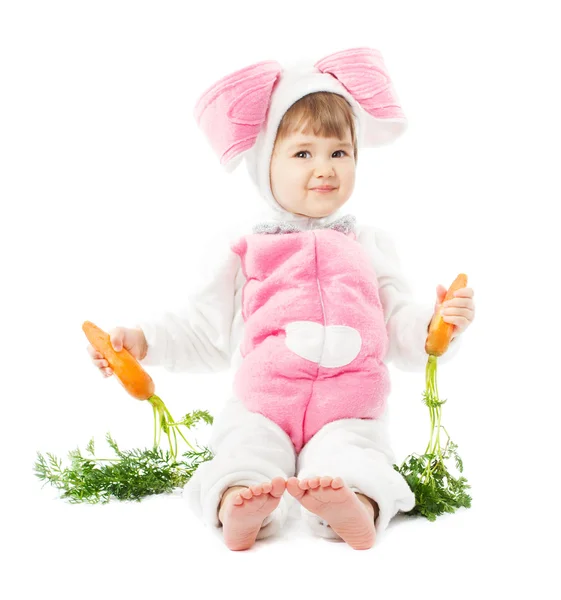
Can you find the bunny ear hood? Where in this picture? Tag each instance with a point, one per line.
(241, 113)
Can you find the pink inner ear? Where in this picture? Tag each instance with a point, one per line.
(366, 81)
(250, 107)
(232, 111)
(362, 71)
(237, 148)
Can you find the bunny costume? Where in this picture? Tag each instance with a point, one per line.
(308, 311)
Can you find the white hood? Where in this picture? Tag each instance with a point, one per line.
(240, 114)
(296, 81)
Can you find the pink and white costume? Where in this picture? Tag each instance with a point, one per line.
(308, 311)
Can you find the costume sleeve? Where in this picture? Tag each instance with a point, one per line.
(196, 337)
(406, 320)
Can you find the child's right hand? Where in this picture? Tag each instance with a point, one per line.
(132, 340)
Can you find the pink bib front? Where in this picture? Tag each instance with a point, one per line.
(314, 332)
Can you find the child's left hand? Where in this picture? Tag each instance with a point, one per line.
(460, 310)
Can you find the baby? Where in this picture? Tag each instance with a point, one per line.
(310, 306)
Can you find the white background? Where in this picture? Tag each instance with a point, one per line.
(109, 192)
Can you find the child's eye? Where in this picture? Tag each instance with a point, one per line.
(306, 151)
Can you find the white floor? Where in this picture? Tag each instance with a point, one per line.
(158, 549)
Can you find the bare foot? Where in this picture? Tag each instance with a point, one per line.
(337, 504)
(243, 511)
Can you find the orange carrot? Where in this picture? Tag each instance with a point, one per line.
(440, 332)
(130, 374)
(436, 489)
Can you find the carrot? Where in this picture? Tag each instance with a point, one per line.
(436, 489)
(440, 332)
(127, 476)
(130, 374)
(137, 383)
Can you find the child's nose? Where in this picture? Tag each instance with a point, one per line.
(324, 168)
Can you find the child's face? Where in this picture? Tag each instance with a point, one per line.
(302, 162)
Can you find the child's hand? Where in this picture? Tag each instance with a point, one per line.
(132, 340)
(460, 310)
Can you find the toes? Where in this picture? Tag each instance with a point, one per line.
(247, 494)
(337, 483)
(303, 484)
(256, 490)
(325, 481)
(314, 482)
(293, 487)
(238, 500)
(278, 485)
(267, 487)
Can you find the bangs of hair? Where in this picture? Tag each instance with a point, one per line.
(324, 114)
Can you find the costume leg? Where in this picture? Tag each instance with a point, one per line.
(248, 449)
(358, 451)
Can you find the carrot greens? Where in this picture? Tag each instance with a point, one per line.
(436, 489)
(133, 474)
